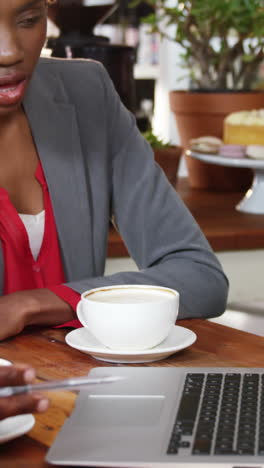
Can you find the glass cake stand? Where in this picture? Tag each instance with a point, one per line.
(253, 201)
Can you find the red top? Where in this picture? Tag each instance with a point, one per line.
(21, 270)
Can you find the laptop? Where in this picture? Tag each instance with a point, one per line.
(157, 416)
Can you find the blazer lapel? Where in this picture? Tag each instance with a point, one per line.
(55, 131)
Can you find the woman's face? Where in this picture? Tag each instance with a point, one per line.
(22, 36)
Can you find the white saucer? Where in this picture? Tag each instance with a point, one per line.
(4, 362)
(178, 339)
(16, 426)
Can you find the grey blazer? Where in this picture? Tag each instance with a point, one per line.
(98, 166)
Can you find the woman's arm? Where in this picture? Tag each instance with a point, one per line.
(32, 307)
(159, 231)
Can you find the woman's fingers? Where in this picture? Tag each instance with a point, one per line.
(21, 404)
(19, 374)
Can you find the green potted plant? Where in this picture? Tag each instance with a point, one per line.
(222, 45)
(166, 155)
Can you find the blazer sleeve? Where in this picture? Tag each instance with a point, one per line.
(160, 233)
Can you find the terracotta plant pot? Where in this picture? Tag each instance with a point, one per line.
(169, 160)
(199, 114)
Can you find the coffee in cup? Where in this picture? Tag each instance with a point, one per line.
(129, 317)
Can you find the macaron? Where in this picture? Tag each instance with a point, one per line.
(232, 151)
(255, 151)
(206, 144)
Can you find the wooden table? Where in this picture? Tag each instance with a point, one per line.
(46, 350)
(224, 227)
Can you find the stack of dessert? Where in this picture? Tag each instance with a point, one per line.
(243, 137)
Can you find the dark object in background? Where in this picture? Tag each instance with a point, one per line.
(144, 92)
(73, 16)
(76, 23)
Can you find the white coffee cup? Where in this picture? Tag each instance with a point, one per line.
(129, 317)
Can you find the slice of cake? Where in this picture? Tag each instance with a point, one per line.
(244, 128)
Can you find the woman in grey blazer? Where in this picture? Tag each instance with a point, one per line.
(67, 114)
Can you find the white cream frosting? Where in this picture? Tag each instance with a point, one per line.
(255, 151)
(253, 117)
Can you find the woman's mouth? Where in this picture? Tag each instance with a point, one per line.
(12, 91)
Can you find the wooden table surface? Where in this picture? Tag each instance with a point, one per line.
(224, 227)
(46, 350)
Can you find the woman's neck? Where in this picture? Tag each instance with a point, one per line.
(9, 123)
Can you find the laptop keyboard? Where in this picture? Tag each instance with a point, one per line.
(220, 414)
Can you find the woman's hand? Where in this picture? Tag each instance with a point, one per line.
(24, 403)
(13, 313)
(32, 307)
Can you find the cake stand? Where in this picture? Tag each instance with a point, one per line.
(253, 201)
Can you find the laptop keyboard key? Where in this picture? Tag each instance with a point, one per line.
(202, 447)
